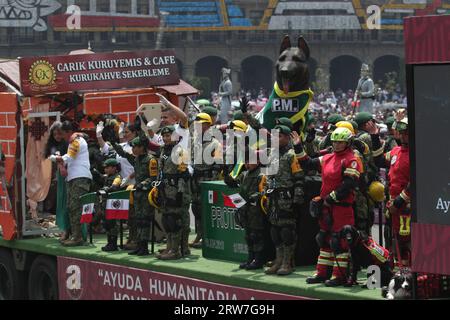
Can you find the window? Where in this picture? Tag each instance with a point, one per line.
(196, 35)
(331, 35)
(103, 6)
(73, 37)
(83, 4)
(56, 35)
(151, 36)
(142, 7)
(123, 37)
(123, 6)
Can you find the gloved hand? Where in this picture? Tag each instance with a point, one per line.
(121, 130)
(53, 158)
(124, 182)
(398, 202)
(99, 129)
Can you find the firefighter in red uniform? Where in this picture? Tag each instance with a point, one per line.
(340, 174)
(398, 205)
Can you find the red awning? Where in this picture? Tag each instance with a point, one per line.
(181, 89)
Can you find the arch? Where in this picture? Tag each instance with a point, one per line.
(344, 72)
(180, 67)
(210, 67)
(383, 65)
(256, 73)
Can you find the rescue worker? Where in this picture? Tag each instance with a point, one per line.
(340, 173)
(79, 179)
(173, 195)
(202, 170)
(399, 203)
(146, 170)
(284, 193)
(111, 182)
(251, 183)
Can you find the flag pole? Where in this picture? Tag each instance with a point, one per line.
(153, 234)
(121, 233)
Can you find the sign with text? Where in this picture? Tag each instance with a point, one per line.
(432, 120)
(87, 280)
(102, 71)
(223, 238)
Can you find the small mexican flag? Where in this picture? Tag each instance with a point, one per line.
(87, 211)
(117, 205)
(233, 201)
(212, 196)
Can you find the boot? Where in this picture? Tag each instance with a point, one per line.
(137, 250)
(335, 282)
(286, 266)
(251, 256)
(76, 240)
(315, 279)
(130, 245)
(112, 244)
(168, 246)
(143, 249)
(257, 263)
(277, 263)
(174, 253)
(197, 240)
(185, 242)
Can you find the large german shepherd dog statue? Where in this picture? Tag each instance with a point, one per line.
(291, 94)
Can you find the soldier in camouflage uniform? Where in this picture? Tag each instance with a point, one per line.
(79, 179)
(283, 191)
(174, 195)
(202, 170)
(146, 171)
(110, 182)
(251, 184)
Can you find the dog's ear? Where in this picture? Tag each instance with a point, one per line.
(304, 46)
(285, 44)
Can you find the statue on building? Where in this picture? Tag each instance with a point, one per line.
(365, 91)
(225, 93)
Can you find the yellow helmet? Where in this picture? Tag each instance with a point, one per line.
(264, 203)
(203, 117)
(238, 125)
(153, 197)
(130, 188)
(346, 124)
(376, 191)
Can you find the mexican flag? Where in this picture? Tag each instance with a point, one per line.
(212, 197)
(117, 205)
(233, 201)
(87, 211)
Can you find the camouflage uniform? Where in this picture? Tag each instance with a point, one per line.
(175, 199)
(250, 216)
(284, 189)
(146, 171)
(75, 189)
(203, 172)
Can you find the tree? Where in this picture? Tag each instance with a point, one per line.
(203, 85)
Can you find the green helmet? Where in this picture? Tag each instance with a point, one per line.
(401, 125)
(341, 134)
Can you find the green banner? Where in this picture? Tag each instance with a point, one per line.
(222, 237)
